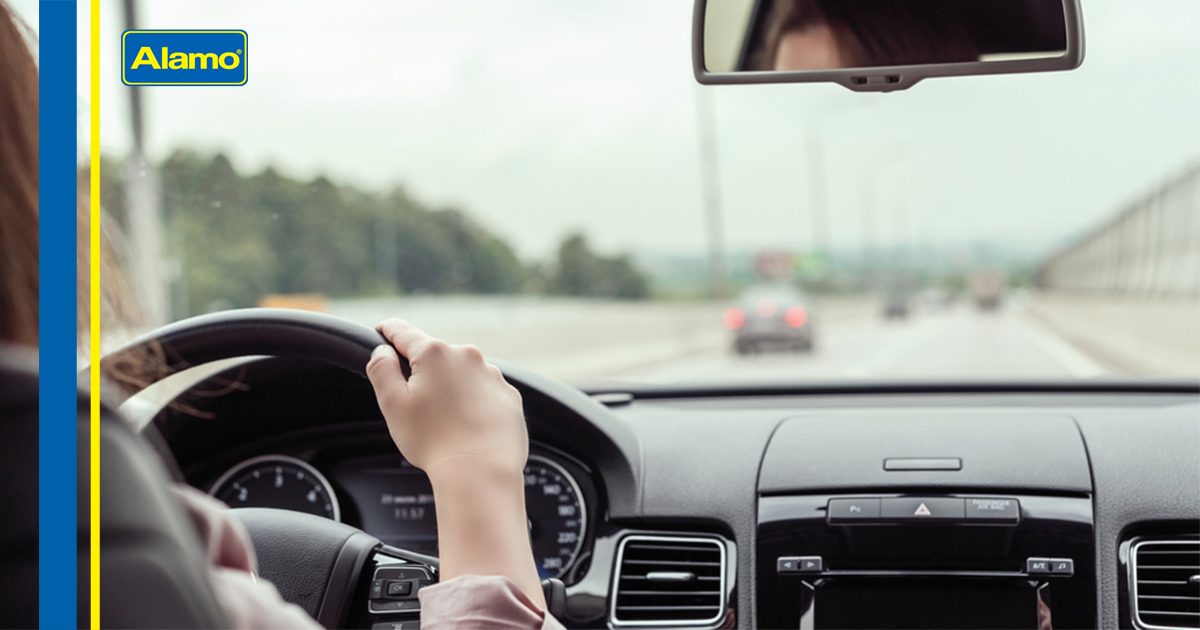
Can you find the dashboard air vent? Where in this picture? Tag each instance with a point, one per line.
(1165, 583)
(669, 581)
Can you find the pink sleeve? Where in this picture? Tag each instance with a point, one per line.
(247, 601)
(472, 602)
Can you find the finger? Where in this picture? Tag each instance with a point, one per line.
(385, 373)
(405, 337)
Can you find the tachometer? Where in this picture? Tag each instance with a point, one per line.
(277, 481)
(557, 518)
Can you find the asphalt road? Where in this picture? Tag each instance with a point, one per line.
(959, 342)
(587, 342)
(1029, 337)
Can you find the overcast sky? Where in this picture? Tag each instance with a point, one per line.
(543, 116)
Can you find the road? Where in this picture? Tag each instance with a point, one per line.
(587, 342)
(1030, 337)
(959, 343)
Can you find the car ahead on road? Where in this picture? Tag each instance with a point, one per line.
(896, 304)
(771, 316)
(987, 288)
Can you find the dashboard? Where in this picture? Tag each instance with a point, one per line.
(823, 506)
(366, 484)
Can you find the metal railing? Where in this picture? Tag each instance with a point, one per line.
(1149, 249)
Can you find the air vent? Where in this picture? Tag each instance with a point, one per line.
(1165, 583)
(669, 581)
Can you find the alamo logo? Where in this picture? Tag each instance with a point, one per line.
(179, 57)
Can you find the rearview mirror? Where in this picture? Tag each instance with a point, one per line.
(881, 45)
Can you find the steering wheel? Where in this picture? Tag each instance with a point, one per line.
(334, 571)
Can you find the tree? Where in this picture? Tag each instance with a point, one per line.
(236, 238)
(581, 272)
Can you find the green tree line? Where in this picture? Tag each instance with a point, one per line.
(234, 238)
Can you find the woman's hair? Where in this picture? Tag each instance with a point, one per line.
(875, 32)
(18, 184)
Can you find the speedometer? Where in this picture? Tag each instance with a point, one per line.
(557, 519)
(277, 481)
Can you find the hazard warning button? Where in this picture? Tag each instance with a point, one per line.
(923, 509)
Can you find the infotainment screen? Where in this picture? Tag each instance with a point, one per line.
(870, 603)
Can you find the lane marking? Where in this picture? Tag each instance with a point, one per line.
(900, 346)
(1073, 359)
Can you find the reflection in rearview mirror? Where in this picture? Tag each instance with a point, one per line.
(752, 41)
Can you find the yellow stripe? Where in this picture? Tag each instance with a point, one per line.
(94, 321)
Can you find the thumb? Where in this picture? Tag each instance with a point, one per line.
(386, 375)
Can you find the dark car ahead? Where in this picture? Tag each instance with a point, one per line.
(896, 304)
(771, 316)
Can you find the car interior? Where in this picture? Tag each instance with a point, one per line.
(1017, 503)
(960, 506)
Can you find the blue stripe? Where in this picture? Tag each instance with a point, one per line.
(57, 381)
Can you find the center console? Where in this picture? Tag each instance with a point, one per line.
(921, 524)
(892, 560)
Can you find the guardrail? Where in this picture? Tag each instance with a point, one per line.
(1150, 249)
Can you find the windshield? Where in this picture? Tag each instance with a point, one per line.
(547, 181)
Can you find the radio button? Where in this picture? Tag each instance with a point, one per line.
(918, 509)
(799, 564)
(811, 564)
(843, 510)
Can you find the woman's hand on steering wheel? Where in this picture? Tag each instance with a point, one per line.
(455, 417)
(452, 405)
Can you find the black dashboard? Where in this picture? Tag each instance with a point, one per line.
(971, 505)
(352, 474)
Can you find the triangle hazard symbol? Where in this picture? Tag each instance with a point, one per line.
(922, 510)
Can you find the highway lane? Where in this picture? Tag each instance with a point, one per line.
(588, 342)
(1030, 337)
(957, 343)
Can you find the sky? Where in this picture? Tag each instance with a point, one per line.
(540, 117)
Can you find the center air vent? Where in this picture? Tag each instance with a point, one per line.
(1165, 583)
(669, 581)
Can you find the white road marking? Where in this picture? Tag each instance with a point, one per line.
(1070, 357)
(898, 346)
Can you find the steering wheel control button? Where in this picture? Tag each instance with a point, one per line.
(1037, 566)
(394, 589)
(395, 606)
(993, 509)
(853, 510)
(913, 509)
(1062, 566)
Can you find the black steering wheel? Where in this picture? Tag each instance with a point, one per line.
(257, 331)
(336, 572)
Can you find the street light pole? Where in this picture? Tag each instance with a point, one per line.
(145, 224)
(709, 180)
(819, 215)
(819, 211)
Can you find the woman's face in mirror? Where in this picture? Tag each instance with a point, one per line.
(810, 47)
